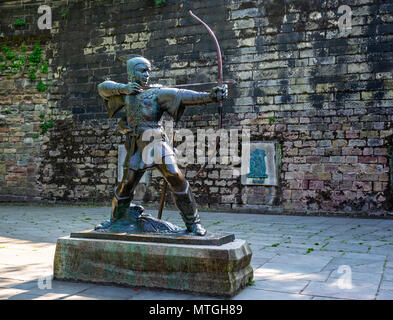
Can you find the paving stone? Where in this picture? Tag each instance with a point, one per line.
(370, 277)
(7, 282)
(386, 249)
(58, 287)
(280, 250)
(385, 295)
(317, 262)
(27, 251)
(281, 285)
(18, 256)
(291, 268)
(386, 285)
(87, 297)
(255, 262)
(325, 253)
(388, 274)
(366, 256)
(343, 247)
(111, 292)
(263, 254)
(157, 294)
(258, 294)
(361, 265)
(269, 274)
(325, 298)
(25, 272)
(43, 296)
(17, 284)
(8, 293)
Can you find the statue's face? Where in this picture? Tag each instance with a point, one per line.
(142, 73)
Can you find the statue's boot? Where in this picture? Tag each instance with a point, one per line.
(119, 209)
(186, 204)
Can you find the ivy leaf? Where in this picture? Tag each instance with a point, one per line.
(41, 87)
(19, 22)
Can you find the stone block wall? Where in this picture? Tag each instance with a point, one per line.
(24, 110)
(323, 93)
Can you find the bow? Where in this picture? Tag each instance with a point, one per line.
(220, 81)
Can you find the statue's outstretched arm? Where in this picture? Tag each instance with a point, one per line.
(190, 97)
(175, 100)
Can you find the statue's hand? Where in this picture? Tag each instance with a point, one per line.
(219, 93)
(131, 88)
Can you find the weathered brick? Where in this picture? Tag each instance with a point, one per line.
(368, 159)
(313, 185)
(339, 143)
(349, 151)
(356, 143)
(362, 185)
(337, 159)
(368, 151)
(382, 159)
(351, 159)
(375, 142)
(313, 159)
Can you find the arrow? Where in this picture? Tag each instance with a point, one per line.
(230, 81)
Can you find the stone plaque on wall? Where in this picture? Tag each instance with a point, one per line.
(259, 163)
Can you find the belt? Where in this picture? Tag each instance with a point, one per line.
(134, 132)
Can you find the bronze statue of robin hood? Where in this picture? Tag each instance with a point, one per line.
(144, 107)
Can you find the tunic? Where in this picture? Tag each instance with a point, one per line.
(142, 121)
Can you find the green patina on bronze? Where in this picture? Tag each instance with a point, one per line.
(258, 166)
(144, 106)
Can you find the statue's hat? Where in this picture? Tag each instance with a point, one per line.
(132, 61)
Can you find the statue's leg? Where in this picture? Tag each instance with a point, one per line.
(182, 195)
(124, 193)
(123, 196)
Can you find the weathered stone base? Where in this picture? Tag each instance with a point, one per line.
(214, 270)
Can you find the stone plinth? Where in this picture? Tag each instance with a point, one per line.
(220, 270)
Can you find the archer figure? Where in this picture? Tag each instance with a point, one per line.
(144, 109)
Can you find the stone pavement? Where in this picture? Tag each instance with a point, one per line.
(294, 257)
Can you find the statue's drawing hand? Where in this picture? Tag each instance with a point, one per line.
(131, 88)
(219, 93)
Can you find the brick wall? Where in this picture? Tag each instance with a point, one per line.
(23, 110)
(324, 94)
